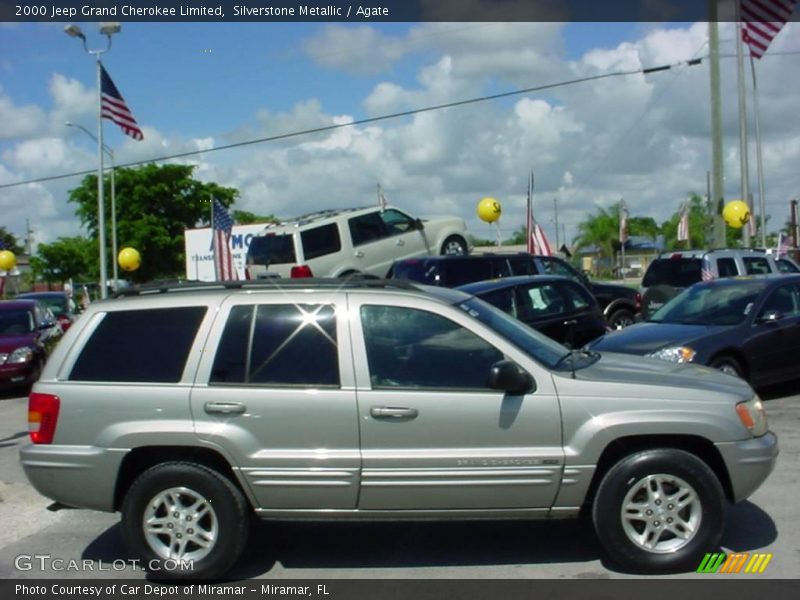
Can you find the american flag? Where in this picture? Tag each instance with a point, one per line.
(761, 22)
(113, 107)
(706, 274)
(537, 240)
(623, 222)
(784, 243)
(381, 199)
(222, 224)
(683, 225)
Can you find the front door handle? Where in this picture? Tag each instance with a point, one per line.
(359, 254)
(224, 408)
(400, 243)
(393, 412)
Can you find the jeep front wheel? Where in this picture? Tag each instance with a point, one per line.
(659, 511)
(184, 520)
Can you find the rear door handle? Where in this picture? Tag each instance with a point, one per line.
(393, 412)
(224, 408)
(359, 254)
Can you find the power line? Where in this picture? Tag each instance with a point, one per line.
(396, 115)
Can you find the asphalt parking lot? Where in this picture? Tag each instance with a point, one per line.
(510, 550)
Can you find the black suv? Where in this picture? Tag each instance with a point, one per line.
(619, 303)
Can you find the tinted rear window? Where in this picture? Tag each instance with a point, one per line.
(271, 249)
(681, 272)
(140, 346)
(460, 272)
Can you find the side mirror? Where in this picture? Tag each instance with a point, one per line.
(418, 224)
(507, 376)
(770, 316)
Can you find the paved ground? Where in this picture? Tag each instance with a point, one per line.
(766, 523)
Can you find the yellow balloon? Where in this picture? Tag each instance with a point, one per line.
(489, 210)
(7, 260)
(736, 214)
(129, 259)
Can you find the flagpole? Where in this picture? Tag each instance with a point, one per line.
(743, 162)
(101, 217)
(214, 241)
(529, 216)
(759, 167)
(622, 242)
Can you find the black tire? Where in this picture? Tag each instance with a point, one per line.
(226, 512)
(621, 318)
(454, 245)
(728, 364)
(631, 476)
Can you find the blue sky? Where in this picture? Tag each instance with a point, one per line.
(199, 85)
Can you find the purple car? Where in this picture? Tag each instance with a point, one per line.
(28, 331)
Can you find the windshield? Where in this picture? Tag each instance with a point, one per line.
(16, 322)
(713, 303)
(542, 348)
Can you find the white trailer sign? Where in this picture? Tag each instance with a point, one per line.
(200, 255)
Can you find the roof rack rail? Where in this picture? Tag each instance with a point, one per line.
(268, 284)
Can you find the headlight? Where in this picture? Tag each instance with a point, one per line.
(20, 355)
(678, 354)
(752, 416)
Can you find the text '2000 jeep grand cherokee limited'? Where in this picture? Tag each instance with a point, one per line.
(378, 400)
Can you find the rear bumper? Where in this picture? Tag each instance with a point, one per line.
(66, 473)
(749, 463)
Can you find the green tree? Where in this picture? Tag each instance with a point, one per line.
(155, 205)
(8, 241)
(244, 217)
(600, 230)
(66, 258)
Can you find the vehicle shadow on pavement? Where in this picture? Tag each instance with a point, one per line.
(748, 528)
(412, 545)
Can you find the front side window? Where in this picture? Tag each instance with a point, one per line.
(540, 301)
(756, 265)
(554, 266)
(320, 241)
(784, 300)
(396, 222)
(277, 345)
(140, 346)
(367, 228)
(411, 348)
(577, 296)
(14, 322)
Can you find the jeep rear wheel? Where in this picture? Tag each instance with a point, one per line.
(184, 520)
(659, 511)
(621, 318)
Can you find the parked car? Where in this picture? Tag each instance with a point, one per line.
(745, 326)
(672, 272)
(619, 303)
(341, 243)
(62, 305)
(28, 333)
(361, 399)
(560, 308)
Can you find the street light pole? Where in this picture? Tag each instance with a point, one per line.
(108, 29)
(110, 154)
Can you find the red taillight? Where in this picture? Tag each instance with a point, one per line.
(676, 256)
(42, 417)
(301, 271)
(64, 322)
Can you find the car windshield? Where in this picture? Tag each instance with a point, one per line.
(56, 304)
(15, 322)
(714, 303)
(530, 341)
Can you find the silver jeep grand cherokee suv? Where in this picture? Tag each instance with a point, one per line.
(190, 410)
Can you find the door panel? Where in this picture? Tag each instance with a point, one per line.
(288, 423)
(432, 435)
